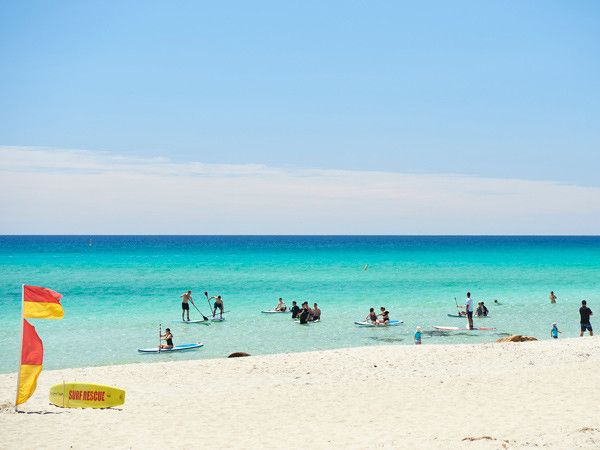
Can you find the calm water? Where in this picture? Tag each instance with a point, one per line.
(118, 291)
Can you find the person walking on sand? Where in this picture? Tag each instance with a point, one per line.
(218, 304)
(554, 332)
(552, 297)
(185, 306)
(585, 314)
(469, 308)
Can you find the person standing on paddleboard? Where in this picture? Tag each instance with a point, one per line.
(218, 304)
(185, 306)
(469, 308)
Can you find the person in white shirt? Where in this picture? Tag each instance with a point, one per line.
(469, 308)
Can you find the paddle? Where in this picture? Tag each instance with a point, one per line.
(209, 305)
(159, 335)
(203, 316)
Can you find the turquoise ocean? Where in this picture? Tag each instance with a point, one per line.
(118, 290)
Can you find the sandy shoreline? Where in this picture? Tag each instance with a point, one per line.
(520, 395)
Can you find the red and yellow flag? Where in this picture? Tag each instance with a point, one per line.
(32, 356)
(41, 303)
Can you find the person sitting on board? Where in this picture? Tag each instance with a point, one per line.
(418, 336)
(316, 314)
(281, 305)
(303, 316)
(295, 310)
(218, 304)
(372, 317)
(166, 337)
(185, 306)
(385, 316)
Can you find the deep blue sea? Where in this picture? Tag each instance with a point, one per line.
(121, 288)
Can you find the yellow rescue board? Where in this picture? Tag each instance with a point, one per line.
(86, 395)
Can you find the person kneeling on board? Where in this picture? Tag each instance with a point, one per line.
(166, 337)
(316, 314)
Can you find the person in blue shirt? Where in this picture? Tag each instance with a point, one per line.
(554, 332)
(418, 336)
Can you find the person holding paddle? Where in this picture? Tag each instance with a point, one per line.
(185, 306)
(166, 337)
(218, 304)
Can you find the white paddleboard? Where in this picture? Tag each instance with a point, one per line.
(462, 329)
(271, 311)
(205, 322)
(217, 319)
(308, 323)
(177, 348)
(391, 323)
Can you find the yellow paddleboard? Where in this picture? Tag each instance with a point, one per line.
(86, 395)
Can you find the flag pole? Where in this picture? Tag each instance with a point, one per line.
(20, 344)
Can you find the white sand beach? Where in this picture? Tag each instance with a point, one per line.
(482, 396)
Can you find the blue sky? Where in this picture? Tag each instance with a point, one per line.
(482, 90)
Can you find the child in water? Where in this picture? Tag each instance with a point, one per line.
(418, 336)
(554, 332)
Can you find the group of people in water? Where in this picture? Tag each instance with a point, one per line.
(372, 317)
(305, 313)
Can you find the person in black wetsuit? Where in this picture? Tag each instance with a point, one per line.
(166, 337)
(585, 314)
(295, 310)
(304, 313)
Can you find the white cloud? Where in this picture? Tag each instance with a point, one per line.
(53, 191)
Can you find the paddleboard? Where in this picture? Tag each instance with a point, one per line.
(177, 348)
(205, 322)
(86, 395)
(308, 323)
(456, 315)
(462, 329)
(217, 319)
(274, 312)
(390, 323)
